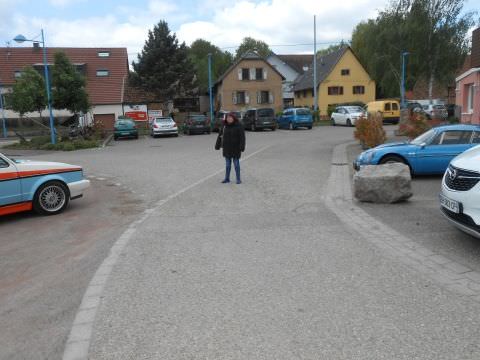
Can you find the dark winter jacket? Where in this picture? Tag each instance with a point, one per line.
(233, 140)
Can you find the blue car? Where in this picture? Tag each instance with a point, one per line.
(430, 153)
(295, 118)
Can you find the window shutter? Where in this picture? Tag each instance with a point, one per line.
(264, 74)
(247, 98)
(270, 98)
(240, 74)
(234, 97)
(259, 100)
(252, 73)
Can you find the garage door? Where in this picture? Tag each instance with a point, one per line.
(107, 120)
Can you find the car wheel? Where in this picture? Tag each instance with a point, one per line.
(349, 122)
(136, 136)
(188, 132)
(208, 132)
(176, 135)
(274, 128)
(390, 159)
(51, 198)
(332, 120)
(309, 127)
(254, 128)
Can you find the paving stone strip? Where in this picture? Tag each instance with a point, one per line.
(452, 275)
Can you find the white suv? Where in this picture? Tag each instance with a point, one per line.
(460, 197)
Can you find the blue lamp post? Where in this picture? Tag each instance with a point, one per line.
(2, 105)
(210, 89)
(404, 55)
(21, 39)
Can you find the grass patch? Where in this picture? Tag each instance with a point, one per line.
(43, 143)
(322, 123)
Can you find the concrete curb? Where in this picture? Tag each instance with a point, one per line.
(107, 140)
(452, 275)
(78, 342)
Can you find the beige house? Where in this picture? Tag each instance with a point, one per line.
(251, 82)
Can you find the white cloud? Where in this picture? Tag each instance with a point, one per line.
(281, 22)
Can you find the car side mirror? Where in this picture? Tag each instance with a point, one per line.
(422, 145)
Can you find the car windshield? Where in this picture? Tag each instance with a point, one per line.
(124, 122)
(303, 112)
(198, 118)
(354, 109)
(439, 107)
(425, 138)
(265, 112)
(163, 120)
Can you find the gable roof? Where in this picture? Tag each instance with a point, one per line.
(249, 55)
(325, 65)
(297, 62)
(101, 90)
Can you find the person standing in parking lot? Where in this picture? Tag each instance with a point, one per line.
(233, 144)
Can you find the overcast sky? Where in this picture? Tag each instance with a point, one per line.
(125, 23)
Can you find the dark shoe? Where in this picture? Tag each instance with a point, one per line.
(226, 181)
(239, 181)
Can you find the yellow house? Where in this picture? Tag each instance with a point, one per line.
(341, 78)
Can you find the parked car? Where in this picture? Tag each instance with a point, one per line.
(125, 128)
(389, 109)
(46, 187)
(196, 124)
(263, 118)
(460, 196)
(163, 126)
(435, 111)
(294, 118)
(347, 115)
(430, 153)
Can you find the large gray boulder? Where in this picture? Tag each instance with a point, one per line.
(388, 183)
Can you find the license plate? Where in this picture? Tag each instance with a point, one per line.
(452, 205)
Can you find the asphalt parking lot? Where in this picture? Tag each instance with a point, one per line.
(420, 218)
(232, 271)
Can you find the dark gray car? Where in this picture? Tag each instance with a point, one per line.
(263, 118)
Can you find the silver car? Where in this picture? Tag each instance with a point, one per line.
(163, 126)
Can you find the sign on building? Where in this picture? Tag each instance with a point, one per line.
(136, 112)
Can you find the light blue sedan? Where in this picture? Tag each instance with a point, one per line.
(430, 153)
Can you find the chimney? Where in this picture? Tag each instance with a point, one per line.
(36, 45)
(475, 58)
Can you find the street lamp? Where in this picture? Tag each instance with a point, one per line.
(21, 39)
(402, 89)
(2, 106)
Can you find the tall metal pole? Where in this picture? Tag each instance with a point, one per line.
(4, 126)
(49, 97)
(210, 92)
(315, 96)
(402, 86)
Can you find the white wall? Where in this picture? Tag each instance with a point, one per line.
(288, 73)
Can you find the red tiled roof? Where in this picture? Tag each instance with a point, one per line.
(101, 90)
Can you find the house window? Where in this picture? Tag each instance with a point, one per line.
(263, 97)
(103, 54)
(470, 97)
(304, 93)
(258, 74)
(345, 72)
(245, 74)
(239, 98)
(103, 72)
(359, 89)
(18, 74)
(335, 90)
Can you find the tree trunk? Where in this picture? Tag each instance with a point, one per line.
(431, 80)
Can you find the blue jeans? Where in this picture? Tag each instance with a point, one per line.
(228, 167)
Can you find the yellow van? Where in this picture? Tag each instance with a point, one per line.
(390, 109)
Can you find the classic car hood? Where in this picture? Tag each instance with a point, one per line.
(468, 160)
(30, 165)
(389, 145)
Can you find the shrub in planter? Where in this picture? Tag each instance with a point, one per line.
(415, 125)
(369, 131)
